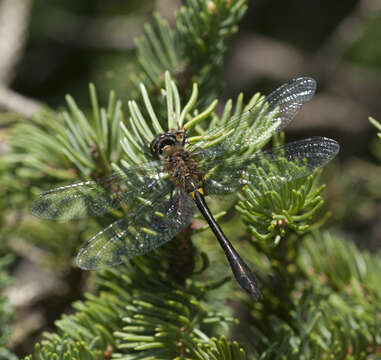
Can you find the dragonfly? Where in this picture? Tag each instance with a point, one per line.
(161, 196)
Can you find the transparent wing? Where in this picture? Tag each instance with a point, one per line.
(95, 197)
(287, 162)
(264, 119)
(149, 227)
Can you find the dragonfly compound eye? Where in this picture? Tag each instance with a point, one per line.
(160, 142)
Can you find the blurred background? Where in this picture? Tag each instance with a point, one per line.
(51, 48)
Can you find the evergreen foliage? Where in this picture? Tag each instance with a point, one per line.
(271, 212)
(156, 318)
(321, 293)
(195, 52)
(336, 306)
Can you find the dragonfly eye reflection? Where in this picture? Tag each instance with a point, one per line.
(160, 142)
(161, 196)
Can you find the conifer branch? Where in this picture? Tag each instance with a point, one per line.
(194, 51)
(273, 208)
(140, 315)
(334, 314)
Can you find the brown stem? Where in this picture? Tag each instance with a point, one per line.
(182, 261)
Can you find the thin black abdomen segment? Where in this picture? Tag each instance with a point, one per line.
(241, 270)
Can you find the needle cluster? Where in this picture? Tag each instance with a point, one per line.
(195, 52)
(139, 314)
(273, 208)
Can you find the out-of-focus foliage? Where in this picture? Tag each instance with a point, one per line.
(6, 259)
(6, 310)
(364, 51)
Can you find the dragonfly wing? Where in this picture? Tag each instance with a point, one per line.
(151, 226)
(92, 198)
(290, 161)
(253, 127)
(289, 98)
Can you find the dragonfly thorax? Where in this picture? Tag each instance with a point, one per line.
(178, 163)
(182, 168)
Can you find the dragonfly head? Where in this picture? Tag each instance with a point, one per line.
(162, 143)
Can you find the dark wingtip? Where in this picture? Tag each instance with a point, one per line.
(332, 145)
(45, 209)
(38, 207)
(310, 83)
(33, 209)
(88, 264)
